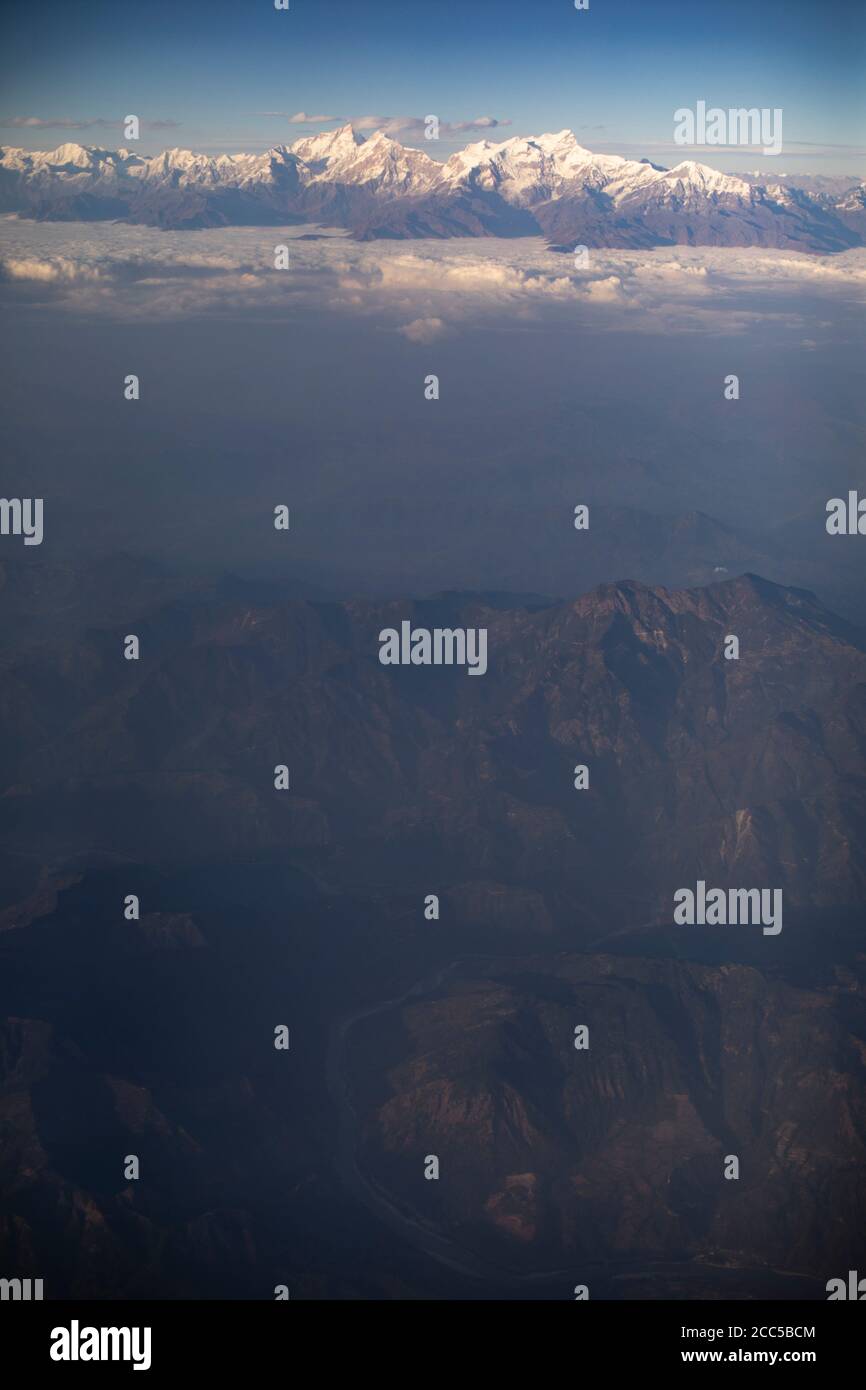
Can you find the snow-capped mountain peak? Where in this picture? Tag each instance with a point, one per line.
(71, 153)
(563, 143)
(344, 156)
(689, 171)
(547, 184)
(328, 145)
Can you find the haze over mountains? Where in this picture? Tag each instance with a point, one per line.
(377, 187)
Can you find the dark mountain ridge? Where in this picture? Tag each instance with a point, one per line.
(413, 1036)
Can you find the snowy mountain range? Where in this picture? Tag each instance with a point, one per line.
(376, 187)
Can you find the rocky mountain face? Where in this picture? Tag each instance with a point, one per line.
(414, 1036)
(376, 187)
(552, 1156)
(697, 765)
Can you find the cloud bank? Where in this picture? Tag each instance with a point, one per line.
(421, 289)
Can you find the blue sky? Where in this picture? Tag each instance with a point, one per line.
(614, 74)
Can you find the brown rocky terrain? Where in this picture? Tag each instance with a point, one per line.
(551, 1156)
(411, 1036)
(741, 772)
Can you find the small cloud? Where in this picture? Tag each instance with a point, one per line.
(416, 125)
(423, 330)
(61, 268)
(300, 117)
(53, 123)
(609, 290)
(66, 123)
(480, 123)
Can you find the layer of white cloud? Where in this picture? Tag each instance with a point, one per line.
(420, 289)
